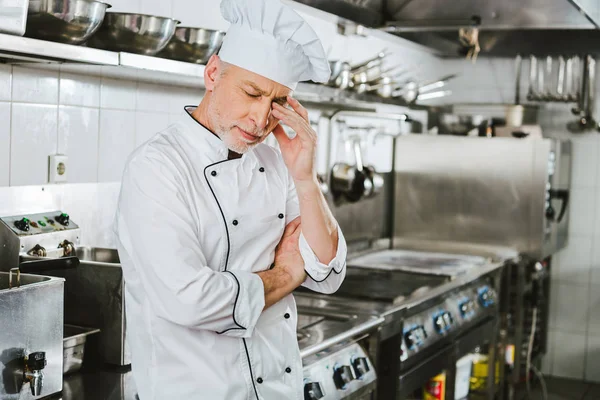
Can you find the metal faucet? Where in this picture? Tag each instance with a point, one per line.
(32, 372)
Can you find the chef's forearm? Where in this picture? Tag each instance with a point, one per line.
(277, 283)
(318, 225)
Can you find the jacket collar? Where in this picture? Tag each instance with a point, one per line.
(203, 135)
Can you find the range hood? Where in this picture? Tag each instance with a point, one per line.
(506, 27)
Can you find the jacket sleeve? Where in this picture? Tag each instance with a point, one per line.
(158, 236)
(322, 278)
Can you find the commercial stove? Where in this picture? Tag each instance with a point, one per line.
(334, 345)
(437, 305)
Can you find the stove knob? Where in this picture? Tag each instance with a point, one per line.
(22, 224)
(342, 375)
(439, 324)
(62, 219)
(409, 338)
(313, 391)
(447, 319)
(361, 366)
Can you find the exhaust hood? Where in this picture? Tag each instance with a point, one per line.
(506, 27)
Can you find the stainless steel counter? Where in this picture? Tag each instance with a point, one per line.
(103, 384)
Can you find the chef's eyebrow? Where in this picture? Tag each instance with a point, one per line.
(279, 100)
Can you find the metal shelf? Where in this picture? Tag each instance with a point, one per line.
(22, 49)
(17, 49)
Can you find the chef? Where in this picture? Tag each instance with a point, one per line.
(215, 229)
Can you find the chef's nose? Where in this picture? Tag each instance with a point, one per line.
(261, 114)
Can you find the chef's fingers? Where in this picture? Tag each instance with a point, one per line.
(298, 107)
(295, 121)
(280, 135)
(292, 227)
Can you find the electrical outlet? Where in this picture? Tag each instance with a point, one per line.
(57, 168)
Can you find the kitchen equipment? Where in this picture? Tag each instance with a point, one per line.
(13, 16)
(134, 33)
(71, 21)
(585, 107)
(334, 347)
(194, 45)
(93, 290)
(341, 76)
(74, 347)
(528, 195)
(411, 90)
(433, 314)
(354, 182)
(454, 124)
(31, 317)
(375, 60)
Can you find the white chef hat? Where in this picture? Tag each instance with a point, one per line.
(272, 40)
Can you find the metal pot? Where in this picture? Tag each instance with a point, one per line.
(194, 45)
(70, 21)
(341, 77)
(354, 182)
(134, 33)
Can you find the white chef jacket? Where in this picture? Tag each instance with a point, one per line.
(192, 229)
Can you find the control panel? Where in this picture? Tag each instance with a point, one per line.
(338, 374)
(455, 311)
(35, 224)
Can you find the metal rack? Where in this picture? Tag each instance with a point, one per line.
(81, 59)
(527, 285)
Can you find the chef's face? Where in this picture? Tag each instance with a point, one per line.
(240, 104)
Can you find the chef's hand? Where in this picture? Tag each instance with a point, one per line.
(287, 272)
(287, 253)
(299, 152)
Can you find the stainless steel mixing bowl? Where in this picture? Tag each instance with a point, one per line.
(65, 21)
(194, 45)
(134, 33)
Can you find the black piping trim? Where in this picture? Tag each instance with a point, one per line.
(324, 279)
(238, 283)
(251, 373)
(237, 295)
(228, 246)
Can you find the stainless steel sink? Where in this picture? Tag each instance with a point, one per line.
(98, 254)
(25, 279)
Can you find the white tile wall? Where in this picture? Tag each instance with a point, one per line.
(147, 124)
(569, 355)
(583, 200)
(78, 138)
(4, 144)
(117, 141)
(79, 90)
(573, 263)
(592, 365)
(570, 307)
(594, 304)
(33, 139)
(34, 85)
(5, 82)
(117, 94)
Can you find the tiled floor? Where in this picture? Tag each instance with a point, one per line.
(567, 389)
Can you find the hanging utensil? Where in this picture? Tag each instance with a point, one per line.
(586, 122)
(518, 62)
(382, 54)
(560, 86)
(533, 68)
(568, 80)
(581, 82)
(341, 76)
(441, 82)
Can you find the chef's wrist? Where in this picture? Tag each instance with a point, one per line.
(307, 186)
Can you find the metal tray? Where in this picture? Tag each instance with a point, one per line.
(74, 338)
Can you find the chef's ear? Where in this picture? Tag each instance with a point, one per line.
(212, 72)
